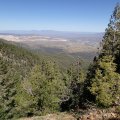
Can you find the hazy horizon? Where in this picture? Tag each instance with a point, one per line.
(50, 30)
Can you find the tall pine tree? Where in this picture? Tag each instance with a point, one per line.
(102, 84)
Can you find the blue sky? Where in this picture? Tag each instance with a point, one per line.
(61, 15)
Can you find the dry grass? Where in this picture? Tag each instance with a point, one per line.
(60, 116)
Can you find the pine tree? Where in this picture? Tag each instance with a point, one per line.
(103, 78)
(111, 41)
(42, 91)
(8, 80)
(104, 85)
(75, 86)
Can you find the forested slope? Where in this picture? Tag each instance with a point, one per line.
(31, 85)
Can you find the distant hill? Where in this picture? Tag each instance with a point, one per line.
(53, 33)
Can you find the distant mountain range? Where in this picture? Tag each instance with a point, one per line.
(52, 33)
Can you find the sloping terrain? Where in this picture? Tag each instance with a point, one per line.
(63, 47)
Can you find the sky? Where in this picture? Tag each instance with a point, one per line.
(60, 15)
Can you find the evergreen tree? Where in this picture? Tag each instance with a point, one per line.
(104, 84)
(42, 91)
(111, 41)
(103, 78)
(75, 82)
(8, 79)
